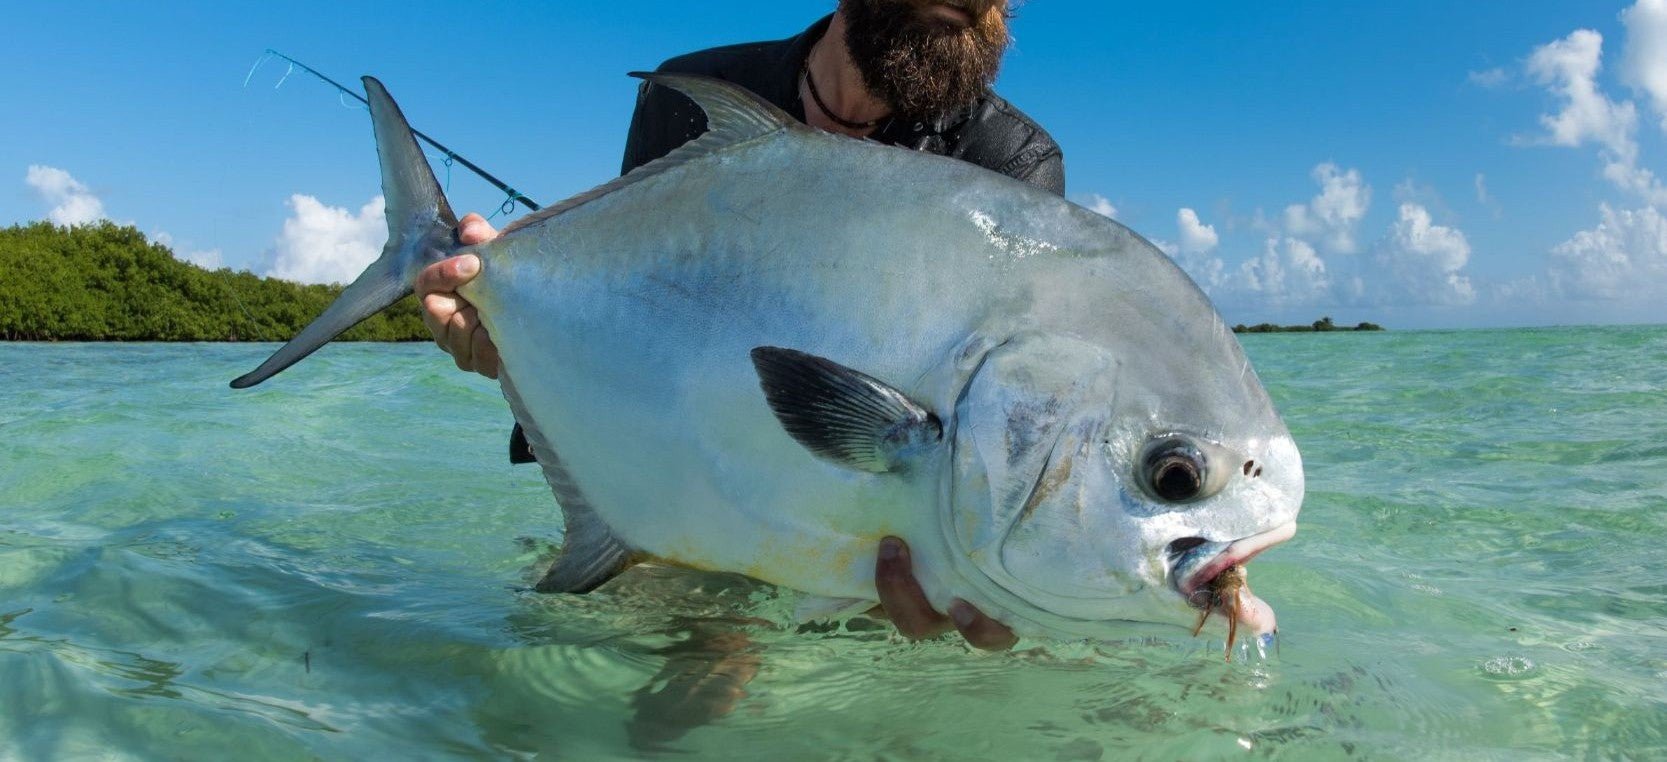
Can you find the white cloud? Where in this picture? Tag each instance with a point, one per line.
(1420, 262)
(1568, 68)
(1624, 257)
(209, 259)
(1491, 78)
(1100, 204)
(1196, 237)
(1210, 273)
(1415, 262)
(1288, 273)
(72, 203)
(1331, 217)
(327, 244)
(1644, 55)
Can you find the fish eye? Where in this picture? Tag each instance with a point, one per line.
(1174, 470)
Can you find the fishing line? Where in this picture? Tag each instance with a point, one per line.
(512, 195)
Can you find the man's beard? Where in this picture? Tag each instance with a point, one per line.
(922, 66)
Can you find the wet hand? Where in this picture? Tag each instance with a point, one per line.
(450, 318)
(906, 605)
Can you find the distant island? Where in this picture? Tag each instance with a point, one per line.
(105, 282)
(1322, 325)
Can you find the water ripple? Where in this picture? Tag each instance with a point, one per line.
(290, 572)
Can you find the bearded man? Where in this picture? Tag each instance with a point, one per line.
(910, 73)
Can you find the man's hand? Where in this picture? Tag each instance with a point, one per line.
(906, 605)
(452, 320)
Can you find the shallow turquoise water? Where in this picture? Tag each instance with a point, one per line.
(329, 566)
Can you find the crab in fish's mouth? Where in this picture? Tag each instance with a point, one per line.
(1211, 577)
(1195, 562)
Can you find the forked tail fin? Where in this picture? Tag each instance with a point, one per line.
(420, 225)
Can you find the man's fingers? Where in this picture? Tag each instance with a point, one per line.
(437, 309)
(980, 630)
(474, 229)
(485, 352)
(901, 595)
(459, 335)
(905, 603)
(447, 274)
(454, 324)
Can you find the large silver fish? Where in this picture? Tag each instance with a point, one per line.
(773, 347)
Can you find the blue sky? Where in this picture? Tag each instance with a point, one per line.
(1422, 164)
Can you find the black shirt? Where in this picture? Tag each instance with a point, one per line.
(989, 132)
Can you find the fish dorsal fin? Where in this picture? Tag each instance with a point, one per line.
(843, 415)
(734, 115)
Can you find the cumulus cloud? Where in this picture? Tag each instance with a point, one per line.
(1644, 55)
(1196, 237)
(1624, 257)
(1100, 204)
(1332, 216)
(1288, 272)
(1414, 261)
(72, 203)
(1568, 68)
(327, 244)
(1421, 262)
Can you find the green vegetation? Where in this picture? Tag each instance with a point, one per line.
(1319, 326)
(107, 283)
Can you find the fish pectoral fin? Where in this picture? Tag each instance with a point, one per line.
(843, 415)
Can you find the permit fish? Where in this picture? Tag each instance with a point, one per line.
(771, 348)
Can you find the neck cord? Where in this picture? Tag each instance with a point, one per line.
(810, 84)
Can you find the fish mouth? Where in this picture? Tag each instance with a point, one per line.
(1195, 562)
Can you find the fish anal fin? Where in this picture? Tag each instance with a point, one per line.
(585, 563)
(591, 553)
(843, 415)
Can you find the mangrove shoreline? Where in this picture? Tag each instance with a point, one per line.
(106, 282)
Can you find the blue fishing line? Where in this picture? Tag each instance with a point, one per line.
(264, 57)
(507, 207)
